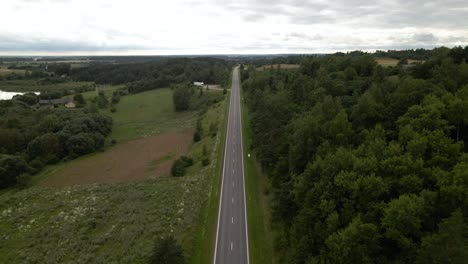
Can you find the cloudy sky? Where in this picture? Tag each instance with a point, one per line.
(160, 27)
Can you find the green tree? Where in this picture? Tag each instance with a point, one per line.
(448, 245)
(79, 99)
(181, 98)
(167, 251)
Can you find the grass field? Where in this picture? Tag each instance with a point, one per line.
(33, 86)
(149, 113)
(5, 71)
(119, 222)
(106, 89)
(258, 201)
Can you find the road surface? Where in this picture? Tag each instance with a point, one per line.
(231, 235)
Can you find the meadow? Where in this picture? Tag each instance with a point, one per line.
(32, 85)
(5, 71)
(119, 222)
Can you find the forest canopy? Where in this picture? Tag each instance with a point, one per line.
(368, 164)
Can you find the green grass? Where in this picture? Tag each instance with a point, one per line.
(148, 113)
(107, 89)
(4, 71)
(118, 223)
(205, 235)
(34, 86)
(258, 201)
(99, 224)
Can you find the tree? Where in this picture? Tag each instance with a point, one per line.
(402, 220)
(80, 144)
(167, 251)
(46, 147)
(357, 243)
(179, 166)
(79, 99)
(448, 245)
(11, 167)
(101, 100)
(181, 98)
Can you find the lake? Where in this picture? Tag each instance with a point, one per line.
(8, 95)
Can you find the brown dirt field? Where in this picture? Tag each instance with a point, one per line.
(393, 62)
(387, 61)
(282, 66)
(129, 161)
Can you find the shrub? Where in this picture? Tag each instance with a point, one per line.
(10, 169)
(180, 165)
(196, 136)
(206, 161)
(167, 251)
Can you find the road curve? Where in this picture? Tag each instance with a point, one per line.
(231, 235)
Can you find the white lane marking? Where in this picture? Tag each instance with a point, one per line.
(232, 245)
(233, 184)
(232, 200)
(232, 220)
(222, 179)
(243, 189)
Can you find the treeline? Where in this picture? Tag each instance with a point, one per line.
(156, 74)
(31, 139)
(368, 164)
(421, 54)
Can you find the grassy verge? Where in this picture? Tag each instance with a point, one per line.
(258, 201)
(206, 232)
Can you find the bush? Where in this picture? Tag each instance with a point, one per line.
(167, 251)
(11, 168)
(196, 136)
(206, 161)
(213, 129)
(80, 144)
(79, 99)
(179, 167)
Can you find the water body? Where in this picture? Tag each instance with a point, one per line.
(8, 95)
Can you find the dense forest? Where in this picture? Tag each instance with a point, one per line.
(31, 139)
(368, 164)
(156, 74)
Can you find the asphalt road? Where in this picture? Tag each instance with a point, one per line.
(231, 236)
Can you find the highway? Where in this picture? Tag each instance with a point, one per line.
(231, 235)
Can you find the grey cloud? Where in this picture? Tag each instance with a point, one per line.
(9, 43)
(426, 38)
(387, 13)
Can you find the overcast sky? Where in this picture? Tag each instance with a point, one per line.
(160, 27)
